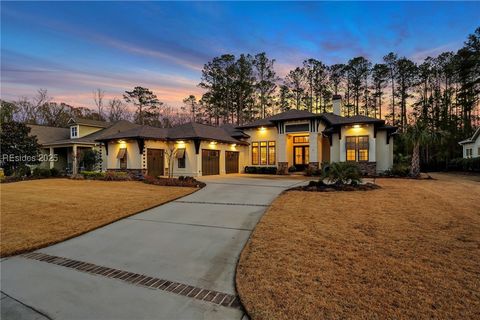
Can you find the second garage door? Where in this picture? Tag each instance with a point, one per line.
(231, 161)
(210, 162)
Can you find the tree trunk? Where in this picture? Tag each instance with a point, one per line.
(415, 166)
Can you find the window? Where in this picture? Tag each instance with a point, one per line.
(469, 153)
(357, 148)
(271, 152)
(254, 153)
(351, 148)
(180, 158)
(301, 139)
(263, 152)
(74, 131)
(362, 146)
(122, 156)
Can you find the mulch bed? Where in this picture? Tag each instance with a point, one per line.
(174, 182)
(320, 186)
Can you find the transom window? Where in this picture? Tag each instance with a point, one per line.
(357, 148)
(301, 139)
(263, 153)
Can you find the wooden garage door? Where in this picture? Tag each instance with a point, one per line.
(155, 158)
(210, 162)
(231, 161)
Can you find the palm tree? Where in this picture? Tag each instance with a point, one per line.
(417, 135)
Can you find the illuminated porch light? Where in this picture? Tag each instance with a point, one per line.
(212, 143)
(357, 126)
(234, 145)
(263, 129)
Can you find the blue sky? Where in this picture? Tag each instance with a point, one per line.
(73, 48)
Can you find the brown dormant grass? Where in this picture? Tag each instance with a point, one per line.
(38, 213)
(410, 250)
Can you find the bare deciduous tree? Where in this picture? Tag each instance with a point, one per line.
(98, 95)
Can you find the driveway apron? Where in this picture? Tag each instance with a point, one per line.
(175, 261)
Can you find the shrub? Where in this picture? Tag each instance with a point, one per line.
(173, 182)
(462, 164)
(312, 171)
(93, 175)
(23, 171)
(292, 169)
(43, 173)
(117, 176)
(54, 172)
(343, 173)
(261, 170)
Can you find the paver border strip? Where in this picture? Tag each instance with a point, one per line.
(182, 289)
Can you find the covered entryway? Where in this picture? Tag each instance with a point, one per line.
(155, 162)
(210, 162)
(301, 157)
(231, 161)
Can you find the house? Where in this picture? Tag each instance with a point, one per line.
(298, 139)
(302, 139)
(471, 146)
(190, 149)
(65, 145)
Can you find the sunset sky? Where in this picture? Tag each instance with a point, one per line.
(73, 48)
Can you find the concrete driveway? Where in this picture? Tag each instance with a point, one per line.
(176, 261)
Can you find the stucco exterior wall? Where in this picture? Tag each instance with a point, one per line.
(384, 152)
(363, 130)
(268, 134)
(134, 158)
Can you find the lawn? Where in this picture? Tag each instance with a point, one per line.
(38, 213)
(410, 250)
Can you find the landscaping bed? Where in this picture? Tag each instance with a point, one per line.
(408, 250)
(320, 186)
(38, 213)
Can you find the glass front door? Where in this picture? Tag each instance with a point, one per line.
(301, 157)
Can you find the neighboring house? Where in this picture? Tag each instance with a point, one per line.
(64, 145)
(190, 149)
(293, 138)
(302, 139)
(471, 147)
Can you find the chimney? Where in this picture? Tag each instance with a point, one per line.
(337, 104)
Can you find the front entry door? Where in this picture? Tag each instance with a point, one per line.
(155, 159)
(301, 157)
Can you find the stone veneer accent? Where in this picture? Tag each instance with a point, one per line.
(313, 165)
(368, 168)
(282, 168)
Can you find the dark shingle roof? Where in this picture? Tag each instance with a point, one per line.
(186, 131)
(476, 134)
(47, 134)
(115, 128)
(330, 118)
(334, 119)
(89, 122)
(233, 131)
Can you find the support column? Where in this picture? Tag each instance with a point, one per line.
(75, 160)
(51, 156)
(199, 164)
(282, 154)
(313, 154)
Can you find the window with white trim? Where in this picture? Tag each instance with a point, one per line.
(74, 131)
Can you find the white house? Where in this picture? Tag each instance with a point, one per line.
(295, 138)
(471, 147)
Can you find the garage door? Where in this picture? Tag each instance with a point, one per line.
(231, 161)
(210, 162)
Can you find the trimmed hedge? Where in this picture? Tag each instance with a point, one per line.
(261, 170)
(45, 173)
(462, 164)
(93, 175)
(174, 182)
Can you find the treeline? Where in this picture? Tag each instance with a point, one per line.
(139, 105)
(443, 90)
